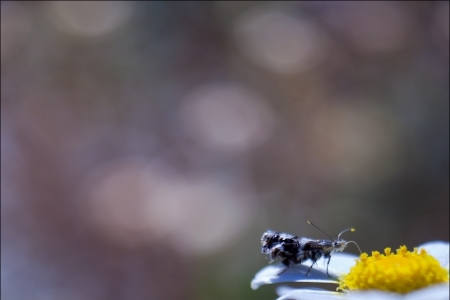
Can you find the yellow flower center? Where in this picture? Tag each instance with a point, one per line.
(402, 272)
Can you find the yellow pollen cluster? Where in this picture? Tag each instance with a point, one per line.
(402, 272)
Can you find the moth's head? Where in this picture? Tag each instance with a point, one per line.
(339, 246)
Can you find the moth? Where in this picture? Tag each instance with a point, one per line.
(292, 250)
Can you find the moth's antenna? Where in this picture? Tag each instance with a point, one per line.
(351, 229)
(355, 244)
(345, 230)
(322, 230)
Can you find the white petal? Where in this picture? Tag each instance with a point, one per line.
(435, 292)
(373, 295)
(438, 249)
(340, 264)
(307, 294)
(269, 274)
(283, 289)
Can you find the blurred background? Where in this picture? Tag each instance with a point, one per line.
(145, 147)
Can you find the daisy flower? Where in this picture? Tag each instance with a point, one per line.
(409, 275)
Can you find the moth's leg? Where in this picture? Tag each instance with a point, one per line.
(300, 258)
(287, 263)
(329, 258)
(314, 261)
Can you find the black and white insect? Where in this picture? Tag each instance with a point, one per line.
(293, 250)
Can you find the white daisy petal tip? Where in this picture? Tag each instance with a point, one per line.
(271, 274)
(439, 250)
(435, 292)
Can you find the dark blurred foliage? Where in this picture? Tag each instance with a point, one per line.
(147, 146)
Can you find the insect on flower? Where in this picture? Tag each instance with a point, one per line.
(293, 250)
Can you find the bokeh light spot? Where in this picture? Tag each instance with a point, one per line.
(278, 41)
(117, 195)
(88, 18)
(137, 201)
(200, 214)
(227, 117)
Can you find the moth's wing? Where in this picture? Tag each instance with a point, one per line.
(307, 244)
